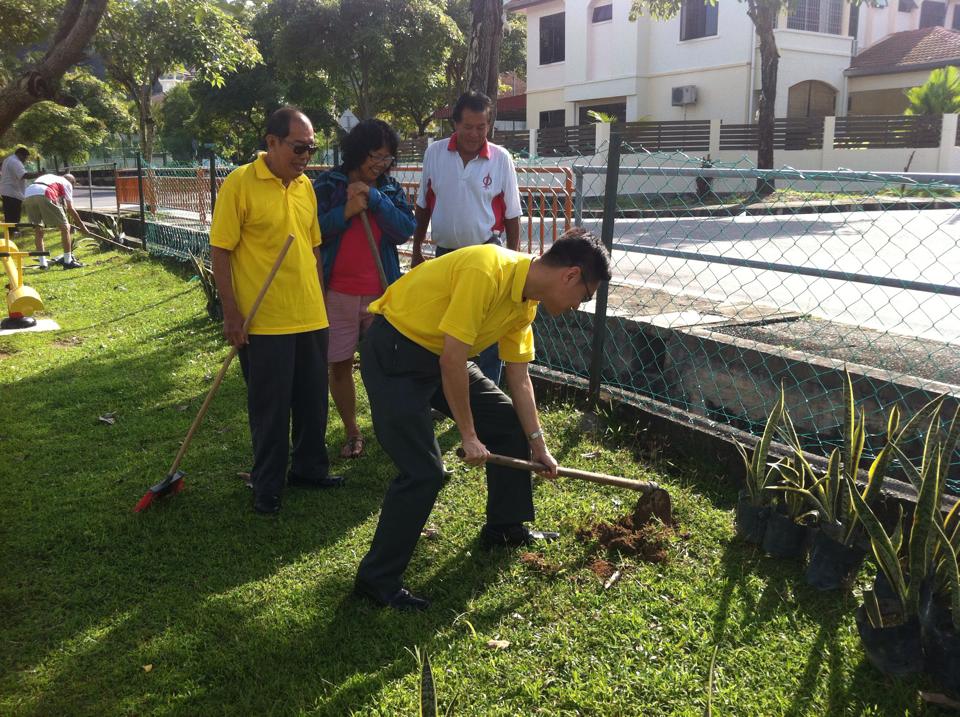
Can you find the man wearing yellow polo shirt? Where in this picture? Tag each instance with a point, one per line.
(415, 357)
(284, 354)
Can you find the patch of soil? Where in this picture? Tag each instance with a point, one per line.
(537, 563)
(68, 342)
(603, 569)
(646, 532)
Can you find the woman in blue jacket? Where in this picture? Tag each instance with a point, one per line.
(350, 277)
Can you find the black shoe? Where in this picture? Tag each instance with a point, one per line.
(267, 505)
(42, 267)
(402, 600)
(73, 264)
(513, 536)
(295, 481)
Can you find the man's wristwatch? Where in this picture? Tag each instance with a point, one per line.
(535, 435)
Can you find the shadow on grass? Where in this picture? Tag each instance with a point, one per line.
(785, 594)
(100, 591)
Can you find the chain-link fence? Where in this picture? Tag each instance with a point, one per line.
(723, 294)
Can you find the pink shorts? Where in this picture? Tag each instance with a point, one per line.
(349, 318)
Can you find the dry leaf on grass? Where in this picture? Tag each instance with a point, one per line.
(147, 668)
(498, 644)
(108, 418)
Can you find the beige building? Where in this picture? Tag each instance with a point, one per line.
(878, 77)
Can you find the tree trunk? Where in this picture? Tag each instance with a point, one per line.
(764, 15)
(483, 54)
(78, 23)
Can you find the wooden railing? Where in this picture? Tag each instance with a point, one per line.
(788, 134)
(917, 131)
(681, 136)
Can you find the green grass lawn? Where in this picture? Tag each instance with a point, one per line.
(200, 607)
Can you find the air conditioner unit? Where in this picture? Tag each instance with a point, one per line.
(683, 95)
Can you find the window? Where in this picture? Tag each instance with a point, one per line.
(906, 6)
(816, 16)
(854, 20)
(698, 18)
(932, 13)
(602, 13)
(552, 118)
(551, 38)
(956, 18)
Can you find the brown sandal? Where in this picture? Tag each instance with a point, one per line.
(353, 448)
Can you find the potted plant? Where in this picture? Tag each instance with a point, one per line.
(753, 504)
(888, 619)
(838, 547)
(788, 516)
(940, 595)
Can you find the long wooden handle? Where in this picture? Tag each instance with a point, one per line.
(602, 478)
(230, 356)
(373, 248)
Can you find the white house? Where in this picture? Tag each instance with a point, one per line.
(588, 54)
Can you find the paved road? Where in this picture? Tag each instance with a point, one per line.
(910, 245)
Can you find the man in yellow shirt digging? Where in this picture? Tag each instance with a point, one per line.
(415, 357)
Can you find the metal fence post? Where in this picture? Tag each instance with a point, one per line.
(606, 235)
(90, 185)
(143, 214)
(213, 180)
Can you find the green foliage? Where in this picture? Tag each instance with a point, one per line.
(63, 134)
(141, 41)
(603, 117)
(829, 494)
(25, 24)
(926, 552)
(760, 475)
(940, 94)
(102, 101)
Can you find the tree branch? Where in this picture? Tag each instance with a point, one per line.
(78, 23)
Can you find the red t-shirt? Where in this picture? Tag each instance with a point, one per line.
(354, 270)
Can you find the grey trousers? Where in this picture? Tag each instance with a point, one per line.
(403, 383)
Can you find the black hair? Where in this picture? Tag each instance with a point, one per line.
(367, 136)
(578, 247)
(22, 150)
(278, 123)
(473, 101)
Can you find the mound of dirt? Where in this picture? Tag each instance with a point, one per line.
(646, 532)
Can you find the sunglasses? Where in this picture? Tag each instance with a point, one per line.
(301, 148)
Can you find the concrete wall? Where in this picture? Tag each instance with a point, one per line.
(877, 23)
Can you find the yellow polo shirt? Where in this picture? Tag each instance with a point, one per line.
(252, 218)
(474, 294)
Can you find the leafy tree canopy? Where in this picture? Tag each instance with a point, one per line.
(62, 134)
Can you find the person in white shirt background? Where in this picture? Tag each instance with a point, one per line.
(12, 174)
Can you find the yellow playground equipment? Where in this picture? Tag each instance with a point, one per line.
(22, 301)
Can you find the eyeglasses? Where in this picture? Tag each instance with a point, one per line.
(377, 159)
(299, 148)
(588, 296)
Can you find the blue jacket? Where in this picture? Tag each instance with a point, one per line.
(387, 203)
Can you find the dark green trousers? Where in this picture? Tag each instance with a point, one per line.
(403, 383)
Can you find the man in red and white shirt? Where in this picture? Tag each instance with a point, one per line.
(468, 195)
(44, 202)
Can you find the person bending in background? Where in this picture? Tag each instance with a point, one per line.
(350, 275)
(44, 202)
